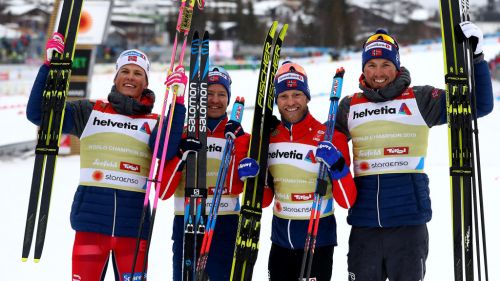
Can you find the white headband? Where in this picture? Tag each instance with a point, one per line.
(136, 57)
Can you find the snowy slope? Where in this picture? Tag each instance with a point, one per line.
(425, 65)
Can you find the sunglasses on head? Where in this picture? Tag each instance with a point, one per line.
(290, 67)
(381, 37)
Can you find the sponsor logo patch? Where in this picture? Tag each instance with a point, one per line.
(130, 167)
(396, 150)
(302, 196)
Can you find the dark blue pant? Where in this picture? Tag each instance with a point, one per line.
(220, 258)
(285, 264)
(396, 253)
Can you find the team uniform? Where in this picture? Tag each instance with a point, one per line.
(221, 250)
(294, 172)
(116, 149)
(389, 130)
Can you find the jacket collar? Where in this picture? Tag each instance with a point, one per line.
(389, 92)
(300, 129)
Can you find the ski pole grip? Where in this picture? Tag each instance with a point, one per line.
(237, 111)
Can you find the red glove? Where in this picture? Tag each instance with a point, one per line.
(56, 43)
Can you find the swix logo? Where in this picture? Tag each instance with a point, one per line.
(77, 277)
(396, 150)
(111, 123)
(244, 165)
(136, 277)
(378, 111)
(404, 109)
(302, 196)
(130, 167)
(145, 128)
(310, 157)
(132, 58)
(214, 148)
(291, 83)
(287, 154)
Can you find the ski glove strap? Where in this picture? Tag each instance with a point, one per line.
(474, 34)
(248, 168)
(233, 129)
(187, 146)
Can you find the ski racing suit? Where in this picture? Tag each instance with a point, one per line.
(117, 138)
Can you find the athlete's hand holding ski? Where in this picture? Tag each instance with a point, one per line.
(188, 145)
(54, 44)
(474, 34)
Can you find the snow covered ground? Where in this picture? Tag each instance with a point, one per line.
(425, 65)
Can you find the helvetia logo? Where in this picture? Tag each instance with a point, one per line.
(214, 148)
(287, 154)
(404, 109)
(145, 128)
(310, 157)
(378, 111)
(111, 123)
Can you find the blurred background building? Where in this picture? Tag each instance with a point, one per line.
(316, 26)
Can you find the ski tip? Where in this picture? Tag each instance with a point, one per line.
(24, 259)
(283, 31)
(273, 28)
(36, 260)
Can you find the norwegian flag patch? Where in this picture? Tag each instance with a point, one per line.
(376, 53)
(291, 83)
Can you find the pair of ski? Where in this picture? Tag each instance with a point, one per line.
(196, 163)
(247, 238)
(198, 228)
(49, 133)
(465, 170)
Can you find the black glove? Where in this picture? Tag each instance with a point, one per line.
(273, 123)
(233, 129)
(188, 145)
